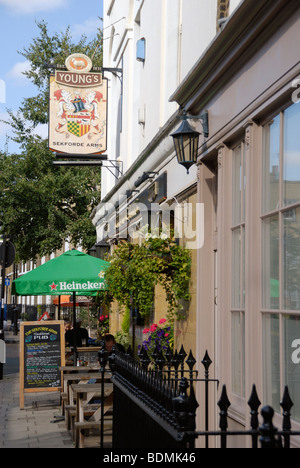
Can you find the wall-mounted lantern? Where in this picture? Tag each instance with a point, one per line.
(186, 140)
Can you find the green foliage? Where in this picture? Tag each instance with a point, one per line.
(47, 49)
(88, 317)
(135, 270)
(126, 321)
(123, 339)
(54, 49)
(42, 206)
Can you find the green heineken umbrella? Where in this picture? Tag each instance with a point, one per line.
(71, 272)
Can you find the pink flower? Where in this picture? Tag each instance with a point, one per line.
(153, 327)
(101, 318)
(146, 331)
(162, 321)
(166, 335)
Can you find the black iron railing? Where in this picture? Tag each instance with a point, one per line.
(155, 405)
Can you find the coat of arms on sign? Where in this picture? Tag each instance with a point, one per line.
(78, 113)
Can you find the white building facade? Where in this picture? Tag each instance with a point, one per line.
(169, 55)
(149, 48)
(155, 43)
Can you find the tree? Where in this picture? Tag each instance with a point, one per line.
(46, 50)
(40, 205)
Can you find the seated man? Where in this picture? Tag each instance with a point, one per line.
(110, 342)
(81, 334)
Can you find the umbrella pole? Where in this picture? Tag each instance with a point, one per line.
(58, 315)
(74, 328)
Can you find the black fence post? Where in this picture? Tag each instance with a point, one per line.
(184, 417)
(156, 403)
(286, 405)
(267, 430)
(207, 362)
(254, 404)
(103, 358)
(224, 405)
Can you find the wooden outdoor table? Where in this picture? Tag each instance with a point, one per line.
(75, 371)
(68, 369)
(86, 388)
(68, 379)
(71, 378)
(84, 393)
(88, 354)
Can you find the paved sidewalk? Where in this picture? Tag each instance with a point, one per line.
(33, 427)
(10, 337)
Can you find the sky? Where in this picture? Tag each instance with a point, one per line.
(18, 28)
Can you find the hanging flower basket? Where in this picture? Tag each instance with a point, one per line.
(158, 338)
(135, 270)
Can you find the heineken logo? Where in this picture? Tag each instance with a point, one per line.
(76, 286)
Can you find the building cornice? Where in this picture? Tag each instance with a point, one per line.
(250, 26)
(158, 150)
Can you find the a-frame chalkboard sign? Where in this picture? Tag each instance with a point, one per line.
(42, 352)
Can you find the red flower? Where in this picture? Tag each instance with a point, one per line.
(162, 321)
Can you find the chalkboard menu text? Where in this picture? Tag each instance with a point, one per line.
(42, 353)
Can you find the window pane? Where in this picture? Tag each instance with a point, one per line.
(291, 155)
(236, 185)
(271, 165)
(243, 253)
(236, 269)
(292, 361)
(270, 267)
(271, 361)
(244, 182)
(238, 353)
(291, 259)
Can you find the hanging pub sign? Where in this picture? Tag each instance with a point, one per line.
(78, 108)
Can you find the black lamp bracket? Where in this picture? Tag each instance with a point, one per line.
(203, 117)
(52, 66)
(144, 177)
(152, 174)
(130, 192)
(115, 166)
(118, 72)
